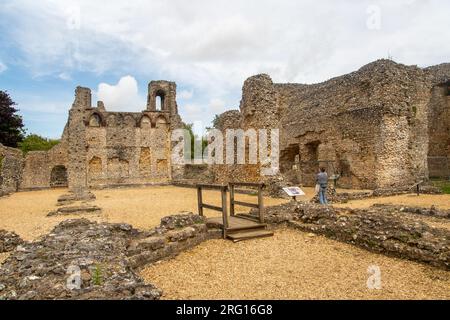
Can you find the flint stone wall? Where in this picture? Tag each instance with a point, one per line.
(9, 241)
(380, 229)
(373, 126)
(105, 256)
(11, 162)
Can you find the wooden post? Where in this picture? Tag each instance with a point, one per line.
(224, 211)
(200, 201)
(260, 204)
(231, 199)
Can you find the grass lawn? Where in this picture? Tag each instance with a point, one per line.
(443, 184)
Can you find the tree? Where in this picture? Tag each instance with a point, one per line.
(194, 138)
(34, 142)
(215, 121)
(11, 124)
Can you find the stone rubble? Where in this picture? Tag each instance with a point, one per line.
(432, 211)
(9, 241)
(75, 210)
(81, 259)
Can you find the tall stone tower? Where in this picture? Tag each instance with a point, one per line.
(76, 136)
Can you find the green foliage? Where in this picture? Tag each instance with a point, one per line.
(34, 142)
(446, 188)
(215, 121)
(97, 277)
(444, 185)
(194, 138)
(11, 124)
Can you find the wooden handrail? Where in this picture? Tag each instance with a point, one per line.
(259, 205)
(247, 184)
(212, 186)
(223, 191)
(246, 204)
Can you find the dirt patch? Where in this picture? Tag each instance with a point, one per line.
(292, 265)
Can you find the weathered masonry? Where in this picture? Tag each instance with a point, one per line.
(101, 148)
(385, 125)
(121, 148)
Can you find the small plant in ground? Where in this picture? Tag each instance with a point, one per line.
(97, 277)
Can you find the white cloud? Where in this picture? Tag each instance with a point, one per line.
(3, 67)
(211, 47)
(185, 94)
(123, 96)
(217, 105)
(65, 76)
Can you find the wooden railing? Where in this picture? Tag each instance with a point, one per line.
(259, 205)
(223, 191)
(223, 208)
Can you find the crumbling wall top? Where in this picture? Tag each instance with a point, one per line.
(83, 98)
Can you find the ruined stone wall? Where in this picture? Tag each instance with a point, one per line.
(371, 127)
(227, 120)
(100, 148)
(439, 131)
(45, 169)
(132, 148)
(122, 148)
(11, 162)
(258, 111)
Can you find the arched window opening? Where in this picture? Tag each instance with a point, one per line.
(146, 123)
(95, 121)
(161, 122)
(159, 102)
(58, 177)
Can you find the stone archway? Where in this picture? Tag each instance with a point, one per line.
(58, 177)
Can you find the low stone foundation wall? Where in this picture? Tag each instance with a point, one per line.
(174, 235)
(81, 259)
(75, 210)
(343, 197)
(430, 212)
(378, 229)
(425, 189)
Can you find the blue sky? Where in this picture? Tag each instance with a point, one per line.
(209, 48)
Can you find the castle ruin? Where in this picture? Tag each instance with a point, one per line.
(386, 125)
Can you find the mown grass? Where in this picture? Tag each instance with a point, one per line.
(444, 185)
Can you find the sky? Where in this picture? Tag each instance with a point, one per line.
(208, 47)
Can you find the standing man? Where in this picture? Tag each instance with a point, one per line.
(322, 181)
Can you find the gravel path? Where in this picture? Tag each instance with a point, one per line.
(292, 265)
